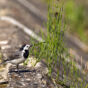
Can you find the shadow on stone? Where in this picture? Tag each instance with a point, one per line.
(22, 71)
(5, 82)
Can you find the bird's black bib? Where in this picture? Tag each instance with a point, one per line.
(26, 54)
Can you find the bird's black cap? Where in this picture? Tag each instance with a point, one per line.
(22, 47)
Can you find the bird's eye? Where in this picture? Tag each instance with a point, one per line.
(27, 46)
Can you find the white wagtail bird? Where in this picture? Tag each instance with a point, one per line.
(19, 57)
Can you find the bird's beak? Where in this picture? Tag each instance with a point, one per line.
(30, 46)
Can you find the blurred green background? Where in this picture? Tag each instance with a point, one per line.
(76, 17)
(76, 13)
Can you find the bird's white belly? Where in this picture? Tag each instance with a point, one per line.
(17, 61)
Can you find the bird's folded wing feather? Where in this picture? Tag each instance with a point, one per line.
(14, 56)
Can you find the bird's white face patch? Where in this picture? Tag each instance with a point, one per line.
(27, 47)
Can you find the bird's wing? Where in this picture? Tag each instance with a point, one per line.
(13, 56)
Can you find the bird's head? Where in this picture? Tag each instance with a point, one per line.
(25, 47)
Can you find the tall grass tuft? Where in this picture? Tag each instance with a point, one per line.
(54, 52)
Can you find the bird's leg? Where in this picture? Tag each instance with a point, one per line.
(18, 68)
(18, 71)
